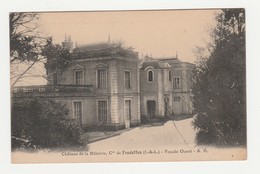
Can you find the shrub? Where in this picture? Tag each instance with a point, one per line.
(42, 123)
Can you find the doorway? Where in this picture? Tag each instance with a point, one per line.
(127, 113)
(151, 108)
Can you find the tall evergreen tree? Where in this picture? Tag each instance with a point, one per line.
(57, 57)
(220, 84)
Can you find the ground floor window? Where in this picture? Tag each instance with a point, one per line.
(102, 112)
(77, 111)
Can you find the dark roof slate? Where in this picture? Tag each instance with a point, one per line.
(102, 50)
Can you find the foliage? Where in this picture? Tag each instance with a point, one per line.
(42, 123)
(25, 43)
(220, 84)
(122, 50)
(57, 56)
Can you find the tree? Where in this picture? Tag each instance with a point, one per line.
(57, 57)
(220, 84)
(25, 44)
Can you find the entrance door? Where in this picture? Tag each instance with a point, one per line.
(151, 108)
(127, 113)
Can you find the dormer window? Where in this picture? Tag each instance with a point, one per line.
(150, 76)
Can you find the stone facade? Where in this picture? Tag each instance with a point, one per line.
(100, 87)
(168, 92)
(106, 108)
(107, 87)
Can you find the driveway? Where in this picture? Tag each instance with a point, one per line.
(150, 136)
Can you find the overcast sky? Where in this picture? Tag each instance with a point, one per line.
(156, 33)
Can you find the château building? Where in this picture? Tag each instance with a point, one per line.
(166, 87)
(107, 86)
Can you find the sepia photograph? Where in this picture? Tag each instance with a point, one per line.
(128, 86)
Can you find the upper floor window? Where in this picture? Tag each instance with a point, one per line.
(170, 76)
(79, 77)
(150, 76)
(176, 82)
(101, 78)
(127, 79)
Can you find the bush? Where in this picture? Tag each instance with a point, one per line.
(42, 123)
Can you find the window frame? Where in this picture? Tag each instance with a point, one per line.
(83, 76)
(73, 108)
(130, 84)
(170, 75)
(97, 78)
(148, 79)
(174, 82)
(97, 110)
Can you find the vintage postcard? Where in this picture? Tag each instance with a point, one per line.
(128, 86)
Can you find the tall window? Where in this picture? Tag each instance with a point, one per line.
(170, 76)
(101, 78)
(127, 79)
(176, 82)
(79, 79)
(150, 76)
(102, 112)
(77, 111)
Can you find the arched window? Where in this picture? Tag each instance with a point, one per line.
(150, 76)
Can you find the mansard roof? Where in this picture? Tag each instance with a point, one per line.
(155, 64)
(103, 49)
(166, 63)
(93, 47)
